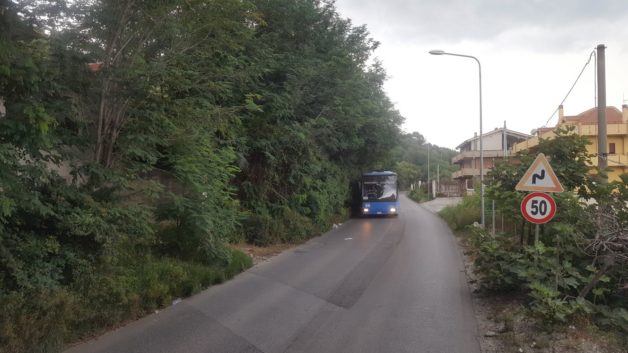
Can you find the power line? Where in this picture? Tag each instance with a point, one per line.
(619, 164)
(572, 86)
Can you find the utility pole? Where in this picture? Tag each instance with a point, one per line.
(428, 171)
(437, 178)
(505, 141)
(602, 151)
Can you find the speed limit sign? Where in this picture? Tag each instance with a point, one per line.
(538, 208)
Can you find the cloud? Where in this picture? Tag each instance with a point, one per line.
(531, 52)
(453, 21)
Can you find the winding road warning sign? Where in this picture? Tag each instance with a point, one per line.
(540, 177)
(538, 208)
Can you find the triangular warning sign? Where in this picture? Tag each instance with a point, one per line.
(540, 177)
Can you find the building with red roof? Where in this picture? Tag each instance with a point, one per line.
(585, 124)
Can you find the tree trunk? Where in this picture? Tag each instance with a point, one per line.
(111, 114)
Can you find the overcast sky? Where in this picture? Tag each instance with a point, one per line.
(531, 53)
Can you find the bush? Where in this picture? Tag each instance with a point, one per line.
(262, 229)
(495, 263)
(553, 276)
(463, 214)
(419, 195)
(36, 321)
(46, 320)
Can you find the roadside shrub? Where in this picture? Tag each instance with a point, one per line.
(288, 226)
(43, 321)
(418, 195)
(494, 261)
(463, 214)
(617, 317)
(239, 262)
(193, 229)
(293, 226)
(36, 321)
(549, 306)
(256, 229)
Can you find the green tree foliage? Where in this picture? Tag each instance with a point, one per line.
(163, 104)
(411, 156)
(142, 136)
(408, 173)
(578, 267)
(53, 231)
(318, 116)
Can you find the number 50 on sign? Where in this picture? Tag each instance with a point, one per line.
(538, 207)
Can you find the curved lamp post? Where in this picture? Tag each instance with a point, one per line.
(441, 52)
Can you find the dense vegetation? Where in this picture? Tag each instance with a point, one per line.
(141, 138)
(578, 268)
(412, 154)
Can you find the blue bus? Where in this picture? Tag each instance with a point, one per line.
(380, 194)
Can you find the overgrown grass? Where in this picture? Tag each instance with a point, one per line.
(463, 214)
(289, 226)
(44, 321)
(419, 195)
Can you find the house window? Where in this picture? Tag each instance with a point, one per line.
(611, 148)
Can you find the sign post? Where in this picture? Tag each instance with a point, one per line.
(539, 207)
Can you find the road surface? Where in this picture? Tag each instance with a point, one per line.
(371, 285)
(438, 204)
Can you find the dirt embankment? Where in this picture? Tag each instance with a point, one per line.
(261, 254)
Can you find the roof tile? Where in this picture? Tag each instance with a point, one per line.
(613, 116)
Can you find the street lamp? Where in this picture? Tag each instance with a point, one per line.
(441, 52)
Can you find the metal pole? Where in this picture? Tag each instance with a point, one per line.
(441, 52)
(493, 217)
(536, 234)
(505, 141)
(437, 178)
(428, 171)
(502, 216)
(601, 113)
(481, 146)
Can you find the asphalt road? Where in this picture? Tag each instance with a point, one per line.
(371, 285)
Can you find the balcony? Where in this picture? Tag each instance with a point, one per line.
(465, 173)
(617, 160)
(582, 129)
(611, 129)
(476, 154)
(527, 144)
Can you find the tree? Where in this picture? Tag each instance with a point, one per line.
(412, 148)
(408, 173)
(178, 126)
(320, 116)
